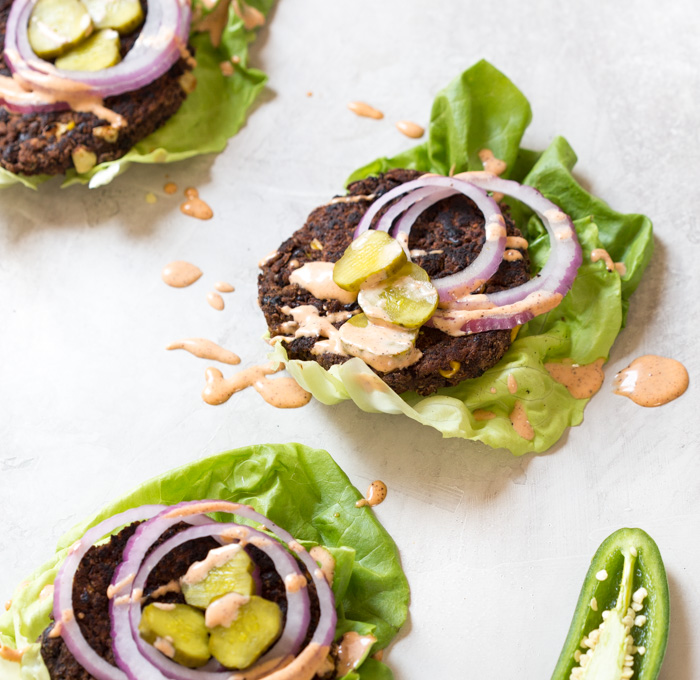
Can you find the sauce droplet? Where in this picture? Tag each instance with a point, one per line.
(491, 163)
(512, 384)
(151, 198)
(224, 287)
(582, 381)
(376, 493)
(281, 393)
(170, 188)
(521, 424)
(365, 110)
(180, 274)
(194, 206)
(481, 414)
(412, 130)
(216, 301)
(352, 650)
(206, 349)
(251, 17)
(651, 380)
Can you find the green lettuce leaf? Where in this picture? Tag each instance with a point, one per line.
(299, 488)
(209, 116)
(483, 109)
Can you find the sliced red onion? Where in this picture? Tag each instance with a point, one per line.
(512, 307)
(141, 660)
(85, 655)
(425, 192)
(158, 47)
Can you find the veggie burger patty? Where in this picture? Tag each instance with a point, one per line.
(43, 143)
(444, 240)
(94, 576)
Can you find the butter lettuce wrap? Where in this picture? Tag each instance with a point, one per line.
(482, 109)
(209, 116)
(301, 489)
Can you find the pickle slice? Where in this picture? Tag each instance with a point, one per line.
(254, 629)
(178, 631)
(233, 576)
(57, 25)
(370, 254)
(99, 51)
(122, 15)
(407, 299)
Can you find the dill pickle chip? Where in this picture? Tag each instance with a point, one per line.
(122, 15)
(254, 629)
(407, 299)
(362, 338)
(370, 254)
(232, 576)
(57, 25)
(178, 631)
(100, 50)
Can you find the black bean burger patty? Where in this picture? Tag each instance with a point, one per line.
(94, 575)
(451, 233)
(42, 143)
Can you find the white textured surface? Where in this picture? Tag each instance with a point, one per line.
(495, 547)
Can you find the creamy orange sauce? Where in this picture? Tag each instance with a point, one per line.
(293, 583)
(481, 414)
(224, 610)
(491, 163)
(309, 324)
(165, 646)
(281, 393)
(268, 258)
(46, 591)
(384, 347)
(9, 654)
(194, 206)
(112, 590)
(252, 17)
(170, 188)
(512, 384)
(226, 68)
(215, 558)
(214, 23)
(582, 381)
(517, 242)
(365, 110)
(598, 254)
(56, 630)
(352, 199)
(326, 560)
(351, 651)
(511, 255)
(180, 274)
(8, 604)
(206, 349)
(317, 278)
(216, 301)
(170, 587)
(376, 493)
(521, 424)
(224, 287)
(412, 130)
(652, 380)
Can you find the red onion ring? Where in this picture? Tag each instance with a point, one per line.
(85, 655)
(137, 658)
(423, 193)
(157, 48)
(509, 308)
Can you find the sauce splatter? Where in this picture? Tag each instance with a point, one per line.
(512, 384)
(651, 380)
(376, 493)
(326, 560)
(226, 68)
(194, 206)
(180, 274)
(511, 255)
(598, 254)
(351, 650)
(521, 424)
(224, 287)
(170, 188)
(481, 414)
(252, 17)
(216, 301)
(365, 110)
(491, 163)
(412, 130)
(9, 654)
(582, 381)
(281, 393)
(206, 349)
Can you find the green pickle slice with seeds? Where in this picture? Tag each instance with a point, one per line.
(254, 629)
(178, 629)
(373, 253)
(57, 25)
(234, 576)
(99, 51)
(122, 15)
(407, 299)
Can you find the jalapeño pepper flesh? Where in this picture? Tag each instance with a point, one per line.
(620, 626)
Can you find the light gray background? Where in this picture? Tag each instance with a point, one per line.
(495, 547)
